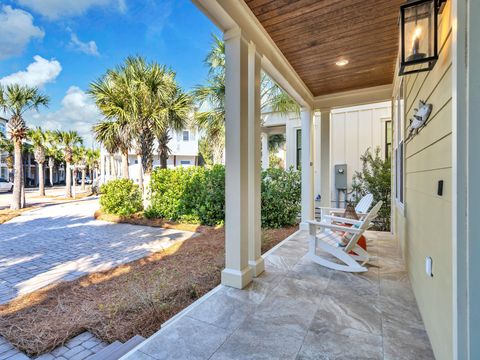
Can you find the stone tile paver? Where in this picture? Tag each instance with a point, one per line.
(300, 310)
(63, 242)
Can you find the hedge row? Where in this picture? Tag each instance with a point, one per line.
(197, 194)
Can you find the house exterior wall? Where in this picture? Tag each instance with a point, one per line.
(184, 152)
(353, 131)
(423, 221)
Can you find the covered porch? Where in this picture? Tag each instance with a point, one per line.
(282, 305)
(299, 310)
(289, 42)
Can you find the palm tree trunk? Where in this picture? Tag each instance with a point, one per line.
(41, 180)
(74, 184)
(125, 165)
(68, 181)
(17, 177)
(84, 174)
(140, 172)
(163, 159)
(146, 189)
(22, 199)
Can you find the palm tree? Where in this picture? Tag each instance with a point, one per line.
(6, 146)
(68, 140)
(16, 100)
(92, 157)
(38, 140)
(79, 160)
(211, 99)
(177, 107)
(139, 94)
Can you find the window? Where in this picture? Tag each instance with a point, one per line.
(186, 135)
(3, 129)
(399, 116)
(388, 139)
(184, 162)
(299, 149)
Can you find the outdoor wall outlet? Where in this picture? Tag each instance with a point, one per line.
(428, 266)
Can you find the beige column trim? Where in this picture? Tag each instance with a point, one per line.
(325, 167)
(306, 117)
(237, 272)
(265, 151)
(255, 259)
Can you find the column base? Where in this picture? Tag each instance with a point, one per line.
(237, 279)
(303, 226)
(257, 266)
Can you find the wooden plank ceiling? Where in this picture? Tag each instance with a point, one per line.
(314, 34)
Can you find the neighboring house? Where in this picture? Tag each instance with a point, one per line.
(353, 130)
(184, 152)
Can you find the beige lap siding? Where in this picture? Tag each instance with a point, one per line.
(427, 225)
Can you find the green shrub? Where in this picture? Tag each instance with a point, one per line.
(121, 197)
(281, 197)
(375, 178)
(194, 194)
(197, 194)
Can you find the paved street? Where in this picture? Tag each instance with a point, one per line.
(32, 198)
(63, 242)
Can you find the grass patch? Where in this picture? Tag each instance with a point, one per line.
(134, 298)
(7, 214)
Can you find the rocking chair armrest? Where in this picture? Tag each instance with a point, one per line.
(343, 220)
(330, 209)
(334, 227)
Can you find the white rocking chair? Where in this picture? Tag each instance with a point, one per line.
(361, 208)
(338, 241)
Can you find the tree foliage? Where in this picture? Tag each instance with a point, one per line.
(375, 178)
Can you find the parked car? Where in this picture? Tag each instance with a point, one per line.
(88, 181)
(5, 185)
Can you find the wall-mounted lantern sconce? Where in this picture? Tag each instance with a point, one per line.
(419, 35)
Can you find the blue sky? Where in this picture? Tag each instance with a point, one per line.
(62, 45)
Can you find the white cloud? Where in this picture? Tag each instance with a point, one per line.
(78, 112)
(16, 31)
(54, 9)
(89, 48)
(38, 73)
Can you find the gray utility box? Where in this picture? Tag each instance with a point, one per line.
(341, 177)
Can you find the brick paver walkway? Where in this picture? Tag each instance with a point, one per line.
(63, 242)
(81, 347)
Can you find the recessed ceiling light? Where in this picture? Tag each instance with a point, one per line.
(342, 62)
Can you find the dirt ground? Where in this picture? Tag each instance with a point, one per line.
(134, 298)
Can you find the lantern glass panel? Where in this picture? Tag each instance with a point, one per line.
(419, 39)
(419, 31)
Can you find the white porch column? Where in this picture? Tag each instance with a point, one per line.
(255, 259)
(325, 171)
(237, 272)
(307, 171)
(265, 152)
(102, 167)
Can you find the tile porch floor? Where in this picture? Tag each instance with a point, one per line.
(300, 310)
